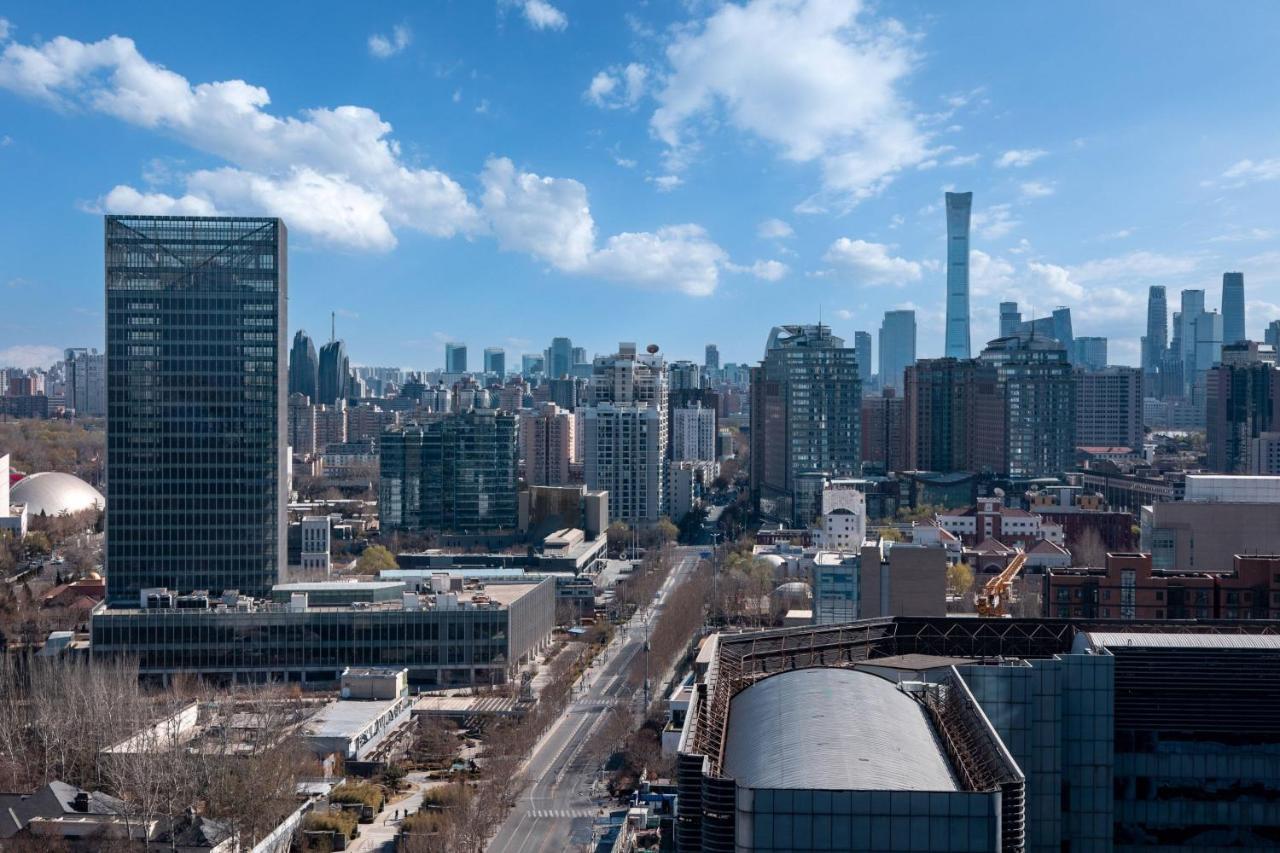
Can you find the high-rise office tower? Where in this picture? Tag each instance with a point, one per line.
(1036, 387)
(805, 415)
(333, 379)
(1157, 339)
(532, 364)
(684, 376)
(1233, 323)
(959, 206)
(1272, 335)
(579, 356)
(1061, 318)
(455, 357)
(1109, 407)
(495, 362)
(196, 464)
(1090, 352)
(304, 366)
(547, 444)
(1242, 403)
(454, 474)
(897, 346)
(862, 348)
(712, 361)
(86, 379)
(1010, 319)
(560, 358)
(1192, 307)
(940, 406)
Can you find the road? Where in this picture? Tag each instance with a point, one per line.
(556, 810)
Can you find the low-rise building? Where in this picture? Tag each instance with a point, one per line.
(481, 635)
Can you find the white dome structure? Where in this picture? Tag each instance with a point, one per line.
(53, 493)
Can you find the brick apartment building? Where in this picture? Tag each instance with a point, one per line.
(1127, 588)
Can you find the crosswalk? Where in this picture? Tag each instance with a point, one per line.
(560, 814)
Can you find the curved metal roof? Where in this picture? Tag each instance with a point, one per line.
(53, 492)
(833, 729)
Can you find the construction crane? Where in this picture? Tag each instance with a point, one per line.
(997, 592)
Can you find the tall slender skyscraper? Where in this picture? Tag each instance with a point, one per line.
(959, 206)
(1157, 339)
(862, 349)
(304, 366)
(196, 464)
(897, 347)
(333, 381)
(712, 361)
(1233, 328)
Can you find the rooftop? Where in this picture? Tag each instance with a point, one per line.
(347, 718)
(833, 729)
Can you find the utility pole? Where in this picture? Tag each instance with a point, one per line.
(715, 575)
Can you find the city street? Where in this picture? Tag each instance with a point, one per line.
(556, 809)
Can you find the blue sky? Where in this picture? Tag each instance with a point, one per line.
(672, 172)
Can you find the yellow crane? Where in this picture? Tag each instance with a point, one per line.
(997, 592)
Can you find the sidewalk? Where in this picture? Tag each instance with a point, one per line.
(380, 835)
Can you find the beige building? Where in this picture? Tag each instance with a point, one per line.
(902, 579)
(547, 445)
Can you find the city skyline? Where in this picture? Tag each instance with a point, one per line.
(628, 209)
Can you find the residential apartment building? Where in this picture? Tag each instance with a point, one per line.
(1109, 407)
(547, 445)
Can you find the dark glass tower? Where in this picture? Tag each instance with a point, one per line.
(196, 404)
(1233, 330)
(334, 382)
(304, 367)
(1157, 339)
(456, 474)
(805, 416)
(959, 206)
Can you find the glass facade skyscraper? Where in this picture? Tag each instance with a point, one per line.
(334, 379)
(455, 358)
(495, 361)
(805, 416)
(1038, 391)
(1157, 339)
(196, 313)
(897, 347)
(1233, 328)
(959, 206)
(456, 474)
(304, 366)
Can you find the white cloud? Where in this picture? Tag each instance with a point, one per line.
(763, 270)
(1249, 171)
(872, 262)
(5, 29)
(618, 86)
(550, 218)
(344, 154)
(1243, 235)
(125, 199)
(665, 183)
(816, 78)
(844, 314)
(994, 222)
(30, 355)
(988, 275)
(964, 160)
(1019, 157)
(624, 162)
(384, 47)
(774, 229)
(539, 14)
(1055, 281)
(1036, 189)
(1135, 265)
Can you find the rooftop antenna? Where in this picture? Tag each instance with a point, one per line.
(333, 326)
